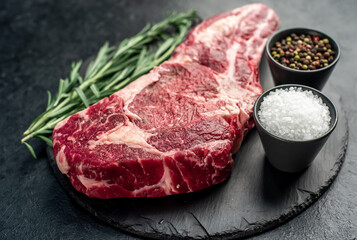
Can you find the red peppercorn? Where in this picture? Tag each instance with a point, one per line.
(315, 38)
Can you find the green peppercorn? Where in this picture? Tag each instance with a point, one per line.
(296, 52)
(292, 65)
(325, 64)
(304, 67)
(276, 56)
(306, 40)
(288, 39)
(296, 58)
(273, 53)
(326, 41)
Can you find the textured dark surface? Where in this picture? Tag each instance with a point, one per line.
(39, 40)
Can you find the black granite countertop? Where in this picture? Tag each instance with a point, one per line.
(38, 42)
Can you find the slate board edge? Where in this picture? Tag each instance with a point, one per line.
(260, 228)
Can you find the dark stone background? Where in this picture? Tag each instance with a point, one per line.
(39, 39)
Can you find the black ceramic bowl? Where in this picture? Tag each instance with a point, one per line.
(290, 155)
(285, 75)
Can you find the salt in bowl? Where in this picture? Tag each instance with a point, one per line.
(293, 155)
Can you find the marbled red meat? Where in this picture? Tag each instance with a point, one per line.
(175, 129)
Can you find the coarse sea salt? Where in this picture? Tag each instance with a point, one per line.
(294, 114)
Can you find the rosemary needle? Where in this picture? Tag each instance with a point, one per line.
(112, 69)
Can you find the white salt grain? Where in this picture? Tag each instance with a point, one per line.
(294, 114)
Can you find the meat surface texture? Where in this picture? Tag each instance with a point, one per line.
(175, 129)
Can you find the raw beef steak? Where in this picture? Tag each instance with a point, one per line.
(175, 129)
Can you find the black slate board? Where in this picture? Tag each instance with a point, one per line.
(255, 198)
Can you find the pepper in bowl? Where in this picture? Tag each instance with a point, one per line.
(302, 56)
(303, 52)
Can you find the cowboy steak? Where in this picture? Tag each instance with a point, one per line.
(175, 129)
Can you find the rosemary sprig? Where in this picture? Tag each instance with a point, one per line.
(113, 69)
